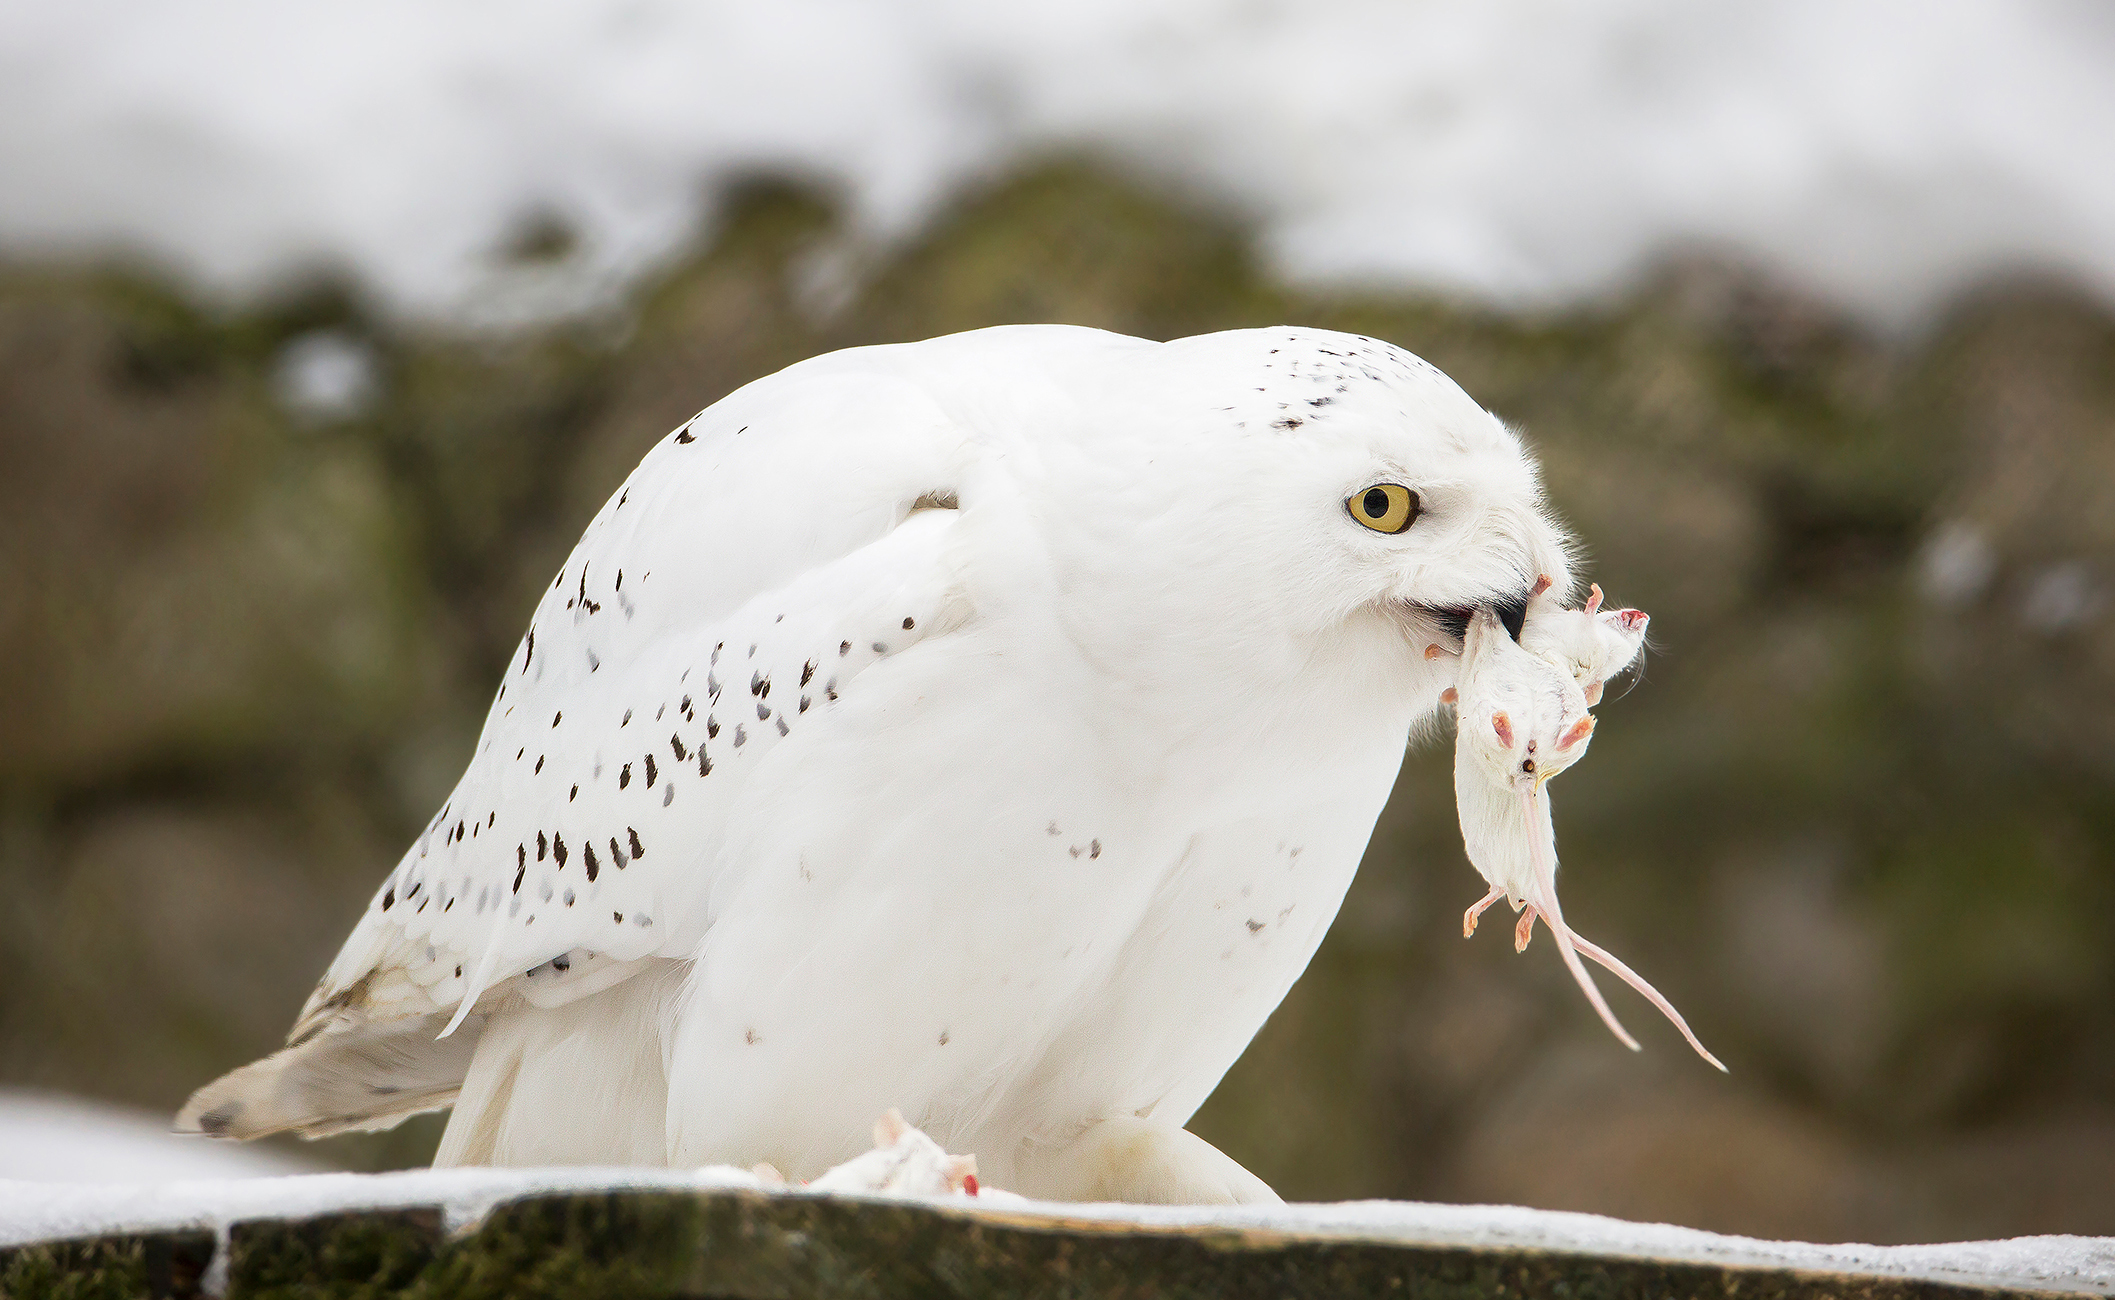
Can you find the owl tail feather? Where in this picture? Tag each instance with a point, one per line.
(350, 1074)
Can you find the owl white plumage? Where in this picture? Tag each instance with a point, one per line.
(987, 727)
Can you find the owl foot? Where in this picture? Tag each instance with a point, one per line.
(1124, 1158)
(904, 1162)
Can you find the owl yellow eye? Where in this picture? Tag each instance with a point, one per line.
(1384, 507)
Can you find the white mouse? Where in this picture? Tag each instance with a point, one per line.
(1523, 719)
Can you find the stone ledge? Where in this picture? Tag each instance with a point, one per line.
(753, 1245)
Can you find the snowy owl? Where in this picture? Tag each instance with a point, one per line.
(987, 727)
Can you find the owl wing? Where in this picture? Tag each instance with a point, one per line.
(759, 558)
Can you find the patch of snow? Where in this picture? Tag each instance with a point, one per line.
(47, 1138)
(1956, 564)
(1884, 153)
(325, 376)
(32, 1213)
(2062, 597)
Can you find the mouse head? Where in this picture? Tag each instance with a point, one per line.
(1522, 717)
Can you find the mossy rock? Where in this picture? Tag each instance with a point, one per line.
(108, 1268)
(764, 1247)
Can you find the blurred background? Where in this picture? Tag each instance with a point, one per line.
(324, 329)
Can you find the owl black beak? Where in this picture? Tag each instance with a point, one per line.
(1511, 611)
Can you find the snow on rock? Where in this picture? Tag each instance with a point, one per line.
(1884, 152)
(41, 1213)
(45, 1138)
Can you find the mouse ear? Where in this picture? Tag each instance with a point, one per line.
(1593, 598)
(1503, 725)
(1542, 584)
(1581, 729)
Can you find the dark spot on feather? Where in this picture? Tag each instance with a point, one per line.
(519, 872)
(651, 772)
(637, 851)
(807, 672)
(704, 769)
(763, 711)
(558, 848)
(781, 725)
(1255, 926)
(531, 652)
(574, 795)
(844, 648)
(675, 742)
(683, 435)
(804, 704)
(712, 727)
(557, 716)
(624, 777)
(1094, 848)
(881, 648)
(217, 1121)
(618, 917)
(542, 846)
(616, 853)
(739, 736)
(587, 856)
(539, 764)
(908, 624)
(389, 898)
(627, 719)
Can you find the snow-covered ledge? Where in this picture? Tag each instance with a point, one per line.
(717, 1232)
